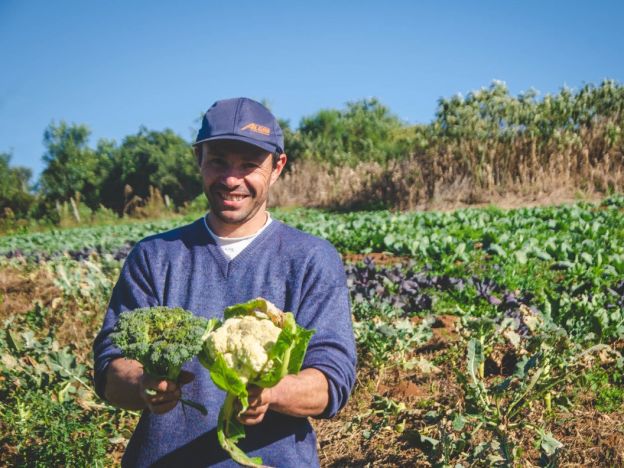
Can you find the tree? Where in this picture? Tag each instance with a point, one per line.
(159, 159)
(71, 165)
(14, 191)
(365, 131)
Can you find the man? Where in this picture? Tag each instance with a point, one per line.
(234, 254)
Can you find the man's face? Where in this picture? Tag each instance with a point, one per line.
(237, 177)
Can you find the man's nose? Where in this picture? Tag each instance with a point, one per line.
(230, 177)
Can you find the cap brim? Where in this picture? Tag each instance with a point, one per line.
(260, 144)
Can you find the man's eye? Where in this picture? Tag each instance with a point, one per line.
(216, 162)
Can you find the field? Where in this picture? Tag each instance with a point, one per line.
(485, 338)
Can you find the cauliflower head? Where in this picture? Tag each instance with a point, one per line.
(244, 342)
(256, 344)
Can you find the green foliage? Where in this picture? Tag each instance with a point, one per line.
(162, 339)
(493, 113)
(514, 387)
(150, 158)
(48, 413)
(285, 357)
(117, 177)
(365, 131)
(43, 432)
(71, 166)
(570, 257)
(607, 386)
(487, 139)
(384, 335)
(15, 198)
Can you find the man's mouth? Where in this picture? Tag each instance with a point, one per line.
(232, 196)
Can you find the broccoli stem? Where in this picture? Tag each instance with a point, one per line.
(174, 375)
(198, 406)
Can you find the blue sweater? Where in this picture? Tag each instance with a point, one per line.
(185, 268)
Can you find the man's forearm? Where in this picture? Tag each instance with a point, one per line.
(122, 384)
(301, 395)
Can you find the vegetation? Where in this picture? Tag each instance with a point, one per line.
(162, 339)
(269, 345)
(485, 338)
(477, 148)
(15, 199)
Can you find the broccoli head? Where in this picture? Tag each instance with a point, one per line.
(162, 339)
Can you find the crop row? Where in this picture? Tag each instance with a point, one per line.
(563, 234)
(395, 309)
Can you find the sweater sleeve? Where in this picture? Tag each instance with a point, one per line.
(325, 308)
(133, 290)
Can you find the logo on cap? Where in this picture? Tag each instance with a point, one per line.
(256, 128)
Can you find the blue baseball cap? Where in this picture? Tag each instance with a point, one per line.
(242, 119)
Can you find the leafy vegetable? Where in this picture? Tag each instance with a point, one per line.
(245, 350)
(162, 339)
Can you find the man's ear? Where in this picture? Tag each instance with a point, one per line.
(197, 149)
(278, 167)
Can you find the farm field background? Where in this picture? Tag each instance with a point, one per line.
(485, 338)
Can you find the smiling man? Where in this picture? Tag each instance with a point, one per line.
(235, 253)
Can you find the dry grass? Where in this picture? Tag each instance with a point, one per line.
(524, 171)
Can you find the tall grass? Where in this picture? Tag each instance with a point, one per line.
(480, 148)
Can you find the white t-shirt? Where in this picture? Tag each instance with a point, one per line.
(232, 246)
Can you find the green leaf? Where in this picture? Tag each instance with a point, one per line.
(230, 431)
(13, 341)
(458, 422)
(460, 249)
(549, 444)
(474, 359)
(563, 265)
(429, 442)
(542, 255)
(226, 378)
(497, 250)
(246, 308)
(299, 349)
(587, 258)
(521, 256)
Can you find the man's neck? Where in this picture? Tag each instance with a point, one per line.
(248, 228)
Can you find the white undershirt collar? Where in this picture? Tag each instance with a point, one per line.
(232, 246)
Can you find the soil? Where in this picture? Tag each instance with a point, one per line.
(362, 434)
(590, 438)
(20, 290)
(380, 259)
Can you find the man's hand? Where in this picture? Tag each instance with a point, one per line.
(161, 396)
(259, 401)
(128, 387)
(301, 395)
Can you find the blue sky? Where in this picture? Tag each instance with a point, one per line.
(116, 65)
